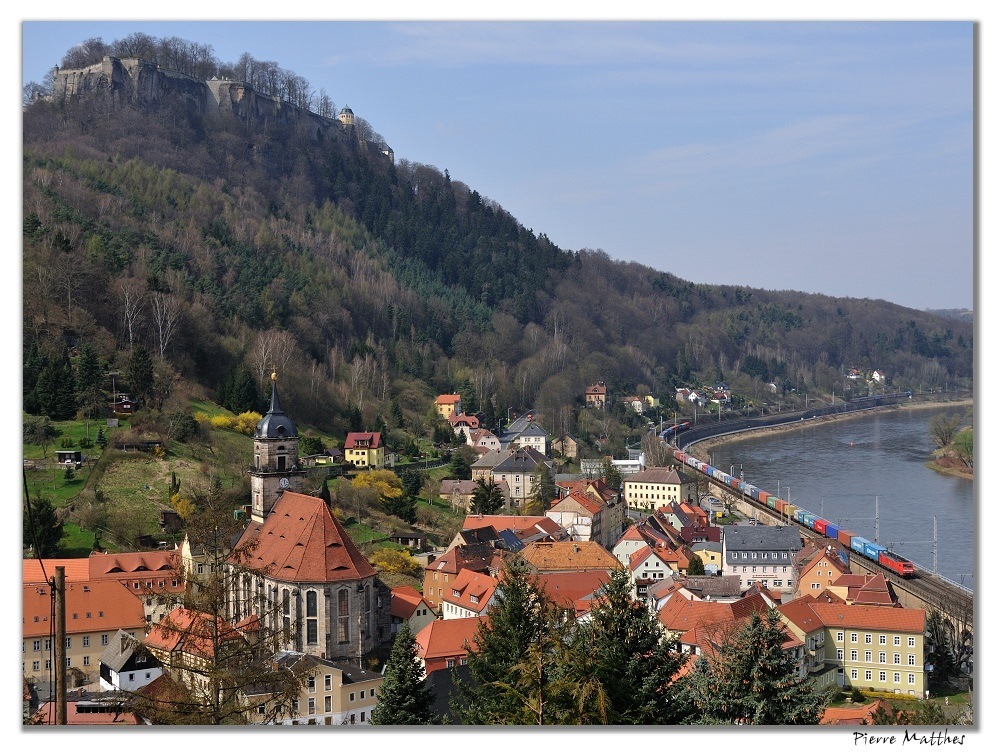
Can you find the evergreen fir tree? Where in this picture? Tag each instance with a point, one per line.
(403, 698)
(88, 378)
(633, 662)
(487, 498)
(139, 374)
(544, 492)
(612, 475)
(751, 680)
(499, 644)
(696, 566)
(42, 528)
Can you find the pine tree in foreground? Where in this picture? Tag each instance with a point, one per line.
(404, 699)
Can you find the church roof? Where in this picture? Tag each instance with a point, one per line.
(301, 541)
(275, 424)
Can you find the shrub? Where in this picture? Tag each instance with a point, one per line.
(246, 422)
(221, 421)
(393, 561)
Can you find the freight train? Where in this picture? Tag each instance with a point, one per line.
(675, 429)
(873, 551)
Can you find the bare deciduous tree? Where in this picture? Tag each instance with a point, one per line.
(131, 293)
(166, 315)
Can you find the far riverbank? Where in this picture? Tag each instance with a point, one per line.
(702, 449)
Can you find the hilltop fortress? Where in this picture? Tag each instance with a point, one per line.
(145, 83)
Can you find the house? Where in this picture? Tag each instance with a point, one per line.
(363, 449)
(155, 576)
(448, 405)
(637, 404)
(122, 405)
(95, 612)
(567, 446)
(854, 374)
(303, 569)
(412, 539)
(572, 591)
(682, 616)
(518, 471)
(596, 395)
(441, 573)
(333, 694)
(819, 572)
(483, 467)
(651, 401)
(84, 709)
(407, 605)
(656, 487)
(569, 556)
(459, 492)
(481, 439)
(710, 553)
(864, 589)
(646, 566)
(471, 594)
(525, 432)
(462, 423)
(71, 457)
(513, 532)
(871, 648)
(126, 664)
(696, 398)
(706, 588)
(762, 554)
(445, 643)
(861, 716)
(584, 517)
(879, 377)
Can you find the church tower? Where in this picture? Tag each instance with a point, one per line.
(276, 466)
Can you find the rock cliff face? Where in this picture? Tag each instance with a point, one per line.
(146, 84)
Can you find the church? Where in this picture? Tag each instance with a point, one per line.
(298, 570)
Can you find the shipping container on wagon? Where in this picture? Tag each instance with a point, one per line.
(790, 510)
(832, 531)
(872, 550)
(771, 500)
(807, 519)
(734, 483)
(762, 496)
(779, 506)
(799, 515)
(844, 537)
(819, 525)
(858, 544)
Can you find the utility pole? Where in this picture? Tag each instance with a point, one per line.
(876, 519)
(59, 648)
(935, 545)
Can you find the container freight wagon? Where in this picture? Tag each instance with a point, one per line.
(820, 526)
(844, 537)
(832, 531)
(858, 544)
(872, 550)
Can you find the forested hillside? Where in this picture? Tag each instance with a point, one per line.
(226, 248)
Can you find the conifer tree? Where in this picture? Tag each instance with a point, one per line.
(751, 680)
(403, 698)
(139, 373)
(487, 498)
(545, 490)
(42, 528)
(499, 644)
(633, 662)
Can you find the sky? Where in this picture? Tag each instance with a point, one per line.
(823, 156)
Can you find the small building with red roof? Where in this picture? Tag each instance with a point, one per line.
(364, 449)
(407, 605)
(446, 643)
(448, 405)
(471, 594)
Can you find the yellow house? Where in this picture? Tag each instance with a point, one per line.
(364, 449)
(872, 648)
(448, 405)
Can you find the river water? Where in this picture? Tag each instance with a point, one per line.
(837, 469)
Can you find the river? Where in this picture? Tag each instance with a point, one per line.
(837, 469)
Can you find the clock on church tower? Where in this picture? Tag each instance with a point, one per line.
(275, 458)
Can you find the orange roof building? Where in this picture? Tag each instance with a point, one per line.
(569, 556)
(469, 595)
(313, 577)
(448, 405)
(445, 643)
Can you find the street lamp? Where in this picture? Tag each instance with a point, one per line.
(508, 415)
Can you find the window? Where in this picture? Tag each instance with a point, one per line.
(881, 639)
(372, 693)
(328, 684)
(854, 673)
(868, 656)
(34, 665)
(911, 660)
(327, 704)
(86, 660)
(353, 719)
(881, 676)
(911, 642)
(868, 675)
(351, 697)
(868, 639)
(840, 654)
(895, 640)
(840, 636)
(881, 657)
(311, 683)
(362, 694)
(201, 569)
(86, 641)
(36, 645)
(895, 677)
(312, 630)
(104, 639)
(911, 678)
(814, 586)
(854, 655)
(343, 617)
(450, 663)
(854, 636)
(895, 658)
(69, 642)
(312, 706)
(362, 716)
(69, 663)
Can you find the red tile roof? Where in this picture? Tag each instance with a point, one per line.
(590, 504)
(91, 606)
(76, 570)
(301, 541)
(445, 638)
(871, 617)
(359, 440)
(191, 632)
(568, 556)
(566, 589)
(469, 585)
(403, 601)
(46, 716)
(448, 399)
(850, 716)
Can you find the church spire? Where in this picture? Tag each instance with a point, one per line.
(275, 407)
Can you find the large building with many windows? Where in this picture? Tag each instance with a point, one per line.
(761, 554)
